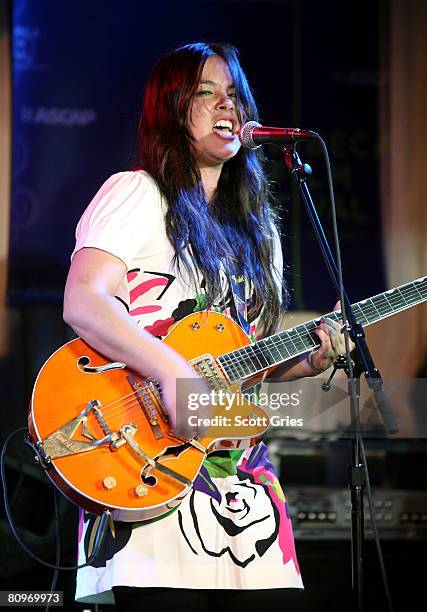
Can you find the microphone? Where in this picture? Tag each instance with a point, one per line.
(252, 135)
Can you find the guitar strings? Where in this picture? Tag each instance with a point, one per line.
(118, 406)
(231, 359)
(412, 294)
(123, 403)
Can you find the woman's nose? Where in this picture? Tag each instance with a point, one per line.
(226, 101)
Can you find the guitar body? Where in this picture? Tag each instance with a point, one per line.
(88, 414)
(102, 434)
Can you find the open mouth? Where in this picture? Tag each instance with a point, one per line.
(223, 127)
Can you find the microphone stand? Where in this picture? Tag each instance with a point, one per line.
(363, 363)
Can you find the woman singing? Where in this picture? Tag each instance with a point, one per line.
(192, 229)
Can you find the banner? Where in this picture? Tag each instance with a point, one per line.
(79, 71)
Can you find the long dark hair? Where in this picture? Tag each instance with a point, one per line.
(236, 227)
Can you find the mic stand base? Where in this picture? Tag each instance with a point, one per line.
(357, 483)
(356, 480)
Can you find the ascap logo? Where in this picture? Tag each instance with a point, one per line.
(54, 116)
(26, 47)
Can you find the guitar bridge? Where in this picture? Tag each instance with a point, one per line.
(61, 444)
(148, 398)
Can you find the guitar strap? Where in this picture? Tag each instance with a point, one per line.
(238, 290)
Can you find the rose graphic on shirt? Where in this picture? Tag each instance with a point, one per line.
(247, 521)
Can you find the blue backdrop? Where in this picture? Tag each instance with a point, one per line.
(79, 70)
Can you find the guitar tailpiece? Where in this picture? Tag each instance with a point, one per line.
(40, 455)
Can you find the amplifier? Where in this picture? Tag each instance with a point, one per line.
(325, 513)
(314, 476)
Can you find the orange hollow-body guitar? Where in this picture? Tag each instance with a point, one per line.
(101, 432)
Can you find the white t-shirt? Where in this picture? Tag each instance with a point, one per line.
(233, 530)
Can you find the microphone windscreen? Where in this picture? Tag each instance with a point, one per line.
(245, 134)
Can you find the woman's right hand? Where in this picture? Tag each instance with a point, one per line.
(92, 310)
(177, 381)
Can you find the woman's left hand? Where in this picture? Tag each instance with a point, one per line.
(332, 344)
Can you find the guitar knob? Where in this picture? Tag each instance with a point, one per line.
(109, 482)
(141, 491)
(220, 327)
(195, 326)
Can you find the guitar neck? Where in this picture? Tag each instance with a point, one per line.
(269, 352)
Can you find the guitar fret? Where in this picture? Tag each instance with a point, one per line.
(308, 341)
(416, 289)
(411, 296)
(358, 313)
(370, 316)
(372, 303)
(309, 336)
(395, 300)
(400, 293)
(266, 353)
(297, 340)
(423, 287)
(259, 356)
(284, 345)
(281, 344)
(380, 304)
(295, 343)
(388, 301)
(265, 343)
(234, 364)
(289, 337)
(246, 360)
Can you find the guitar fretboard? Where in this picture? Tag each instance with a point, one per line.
(254, 358)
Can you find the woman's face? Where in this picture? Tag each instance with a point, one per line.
(213, 120)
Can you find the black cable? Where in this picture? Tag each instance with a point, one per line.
(375, 528)
(57, 548)
(100, 534)
(350, 368)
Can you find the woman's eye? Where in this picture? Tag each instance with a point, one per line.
(203, 92)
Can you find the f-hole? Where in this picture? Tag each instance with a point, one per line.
(149, 481)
